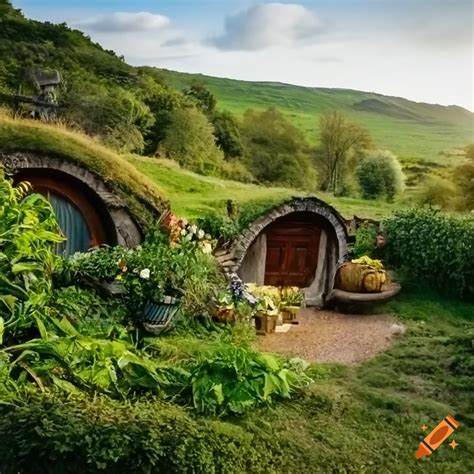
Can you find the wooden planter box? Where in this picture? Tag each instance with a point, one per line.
(265, 324)
(289, 313)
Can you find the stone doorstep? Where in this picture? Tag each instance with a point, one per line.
(283, 328)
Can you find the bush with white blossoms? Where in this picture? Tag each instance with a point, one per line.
(168, 260)
(180, 230)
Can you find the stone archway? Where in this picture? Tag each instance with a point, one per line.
(247, 256)
(119, 225)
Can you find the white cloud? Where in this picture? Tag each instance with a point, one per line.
(124, 22)
(268, 25)
(288, 43)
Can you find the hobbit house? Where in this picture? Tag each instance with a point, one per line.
(92, 208)
(298, 243)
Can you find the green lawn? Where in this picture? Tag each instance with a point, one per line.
(192, 195)
(367, 417)
(411, 130)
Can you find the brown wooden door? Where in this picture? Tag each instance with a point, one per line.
(292, 254)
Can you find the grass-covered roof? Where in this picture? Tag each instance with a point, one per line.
(143, 197)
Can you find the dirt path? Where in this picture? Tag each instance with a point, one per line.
(327, 336)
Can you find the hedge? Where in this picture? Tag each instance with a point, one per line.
(57, 435)
(433, 248)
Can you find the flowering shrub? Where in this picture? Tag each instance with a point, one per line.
(180, 230)
(171, 261)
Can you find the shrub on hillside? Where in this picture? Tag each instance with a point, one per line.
(236, 171)
(464, 178)
(276, 152)
(227, 132)
(380, 175)
(436, 191)
(433, 248)
(190, 141)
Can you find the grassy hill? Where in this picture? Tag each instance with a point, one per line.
(412, 130)
(190, 195)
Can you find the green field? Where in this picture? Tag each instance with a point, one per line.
(192, 195)
(367, 418)
(411, 130)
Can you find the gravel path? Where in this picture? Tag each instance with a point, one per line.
(327, 336)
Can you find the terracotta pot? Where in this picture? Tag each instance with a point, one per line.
(265, 324)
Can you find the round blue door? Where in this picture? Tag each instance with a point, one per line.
(72, 224)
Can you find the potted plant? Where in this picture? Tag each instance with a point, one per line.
(234, 303)
(265, 315)
(291, 299)
(225, 310)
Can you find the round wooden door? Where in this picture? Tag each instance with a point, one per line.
(292, 253)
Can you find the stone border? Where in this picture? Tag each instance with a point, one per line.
(127, 230)
(231, 259)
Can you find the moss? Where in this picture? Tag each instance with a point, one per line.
(144, 198)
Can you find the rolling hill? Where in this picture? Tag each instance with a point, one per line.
(415, 131)
(190, 195)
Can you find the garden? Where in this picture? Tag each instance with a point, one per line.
(144, 360)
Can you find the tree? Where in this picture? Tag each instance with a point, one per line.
(338, 138)
(464, 178)
(228, 136)
(204, 99)
(379, 174)
(276, 152)
(190, 141)
(436, 191)
(118, 118)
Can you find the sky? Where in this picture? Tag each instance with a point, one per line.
(419, 49)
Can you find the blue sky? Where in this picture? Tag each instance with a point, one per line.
(419, 49)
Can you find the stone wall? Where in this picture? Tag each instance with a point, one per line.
(128, 232)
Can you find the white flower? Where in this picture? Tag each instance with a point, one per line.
(206, 248)
(145, 274)
(200, 234)
(183, 232)
(193, 229)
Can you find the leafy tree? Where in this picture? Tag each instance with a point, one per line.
(203, 98)
(380, 175)
(436, 191)
(276, 152)
(190, 141)
(464, 178)
(118, 118)
(162, 101)
(228, 135)
(339, 137)
(226, 128)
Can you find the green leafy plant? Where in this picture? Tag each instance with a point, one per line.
(433, 248)
(365, 239)
(379, 175)
(291, 296)
(28, 235)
